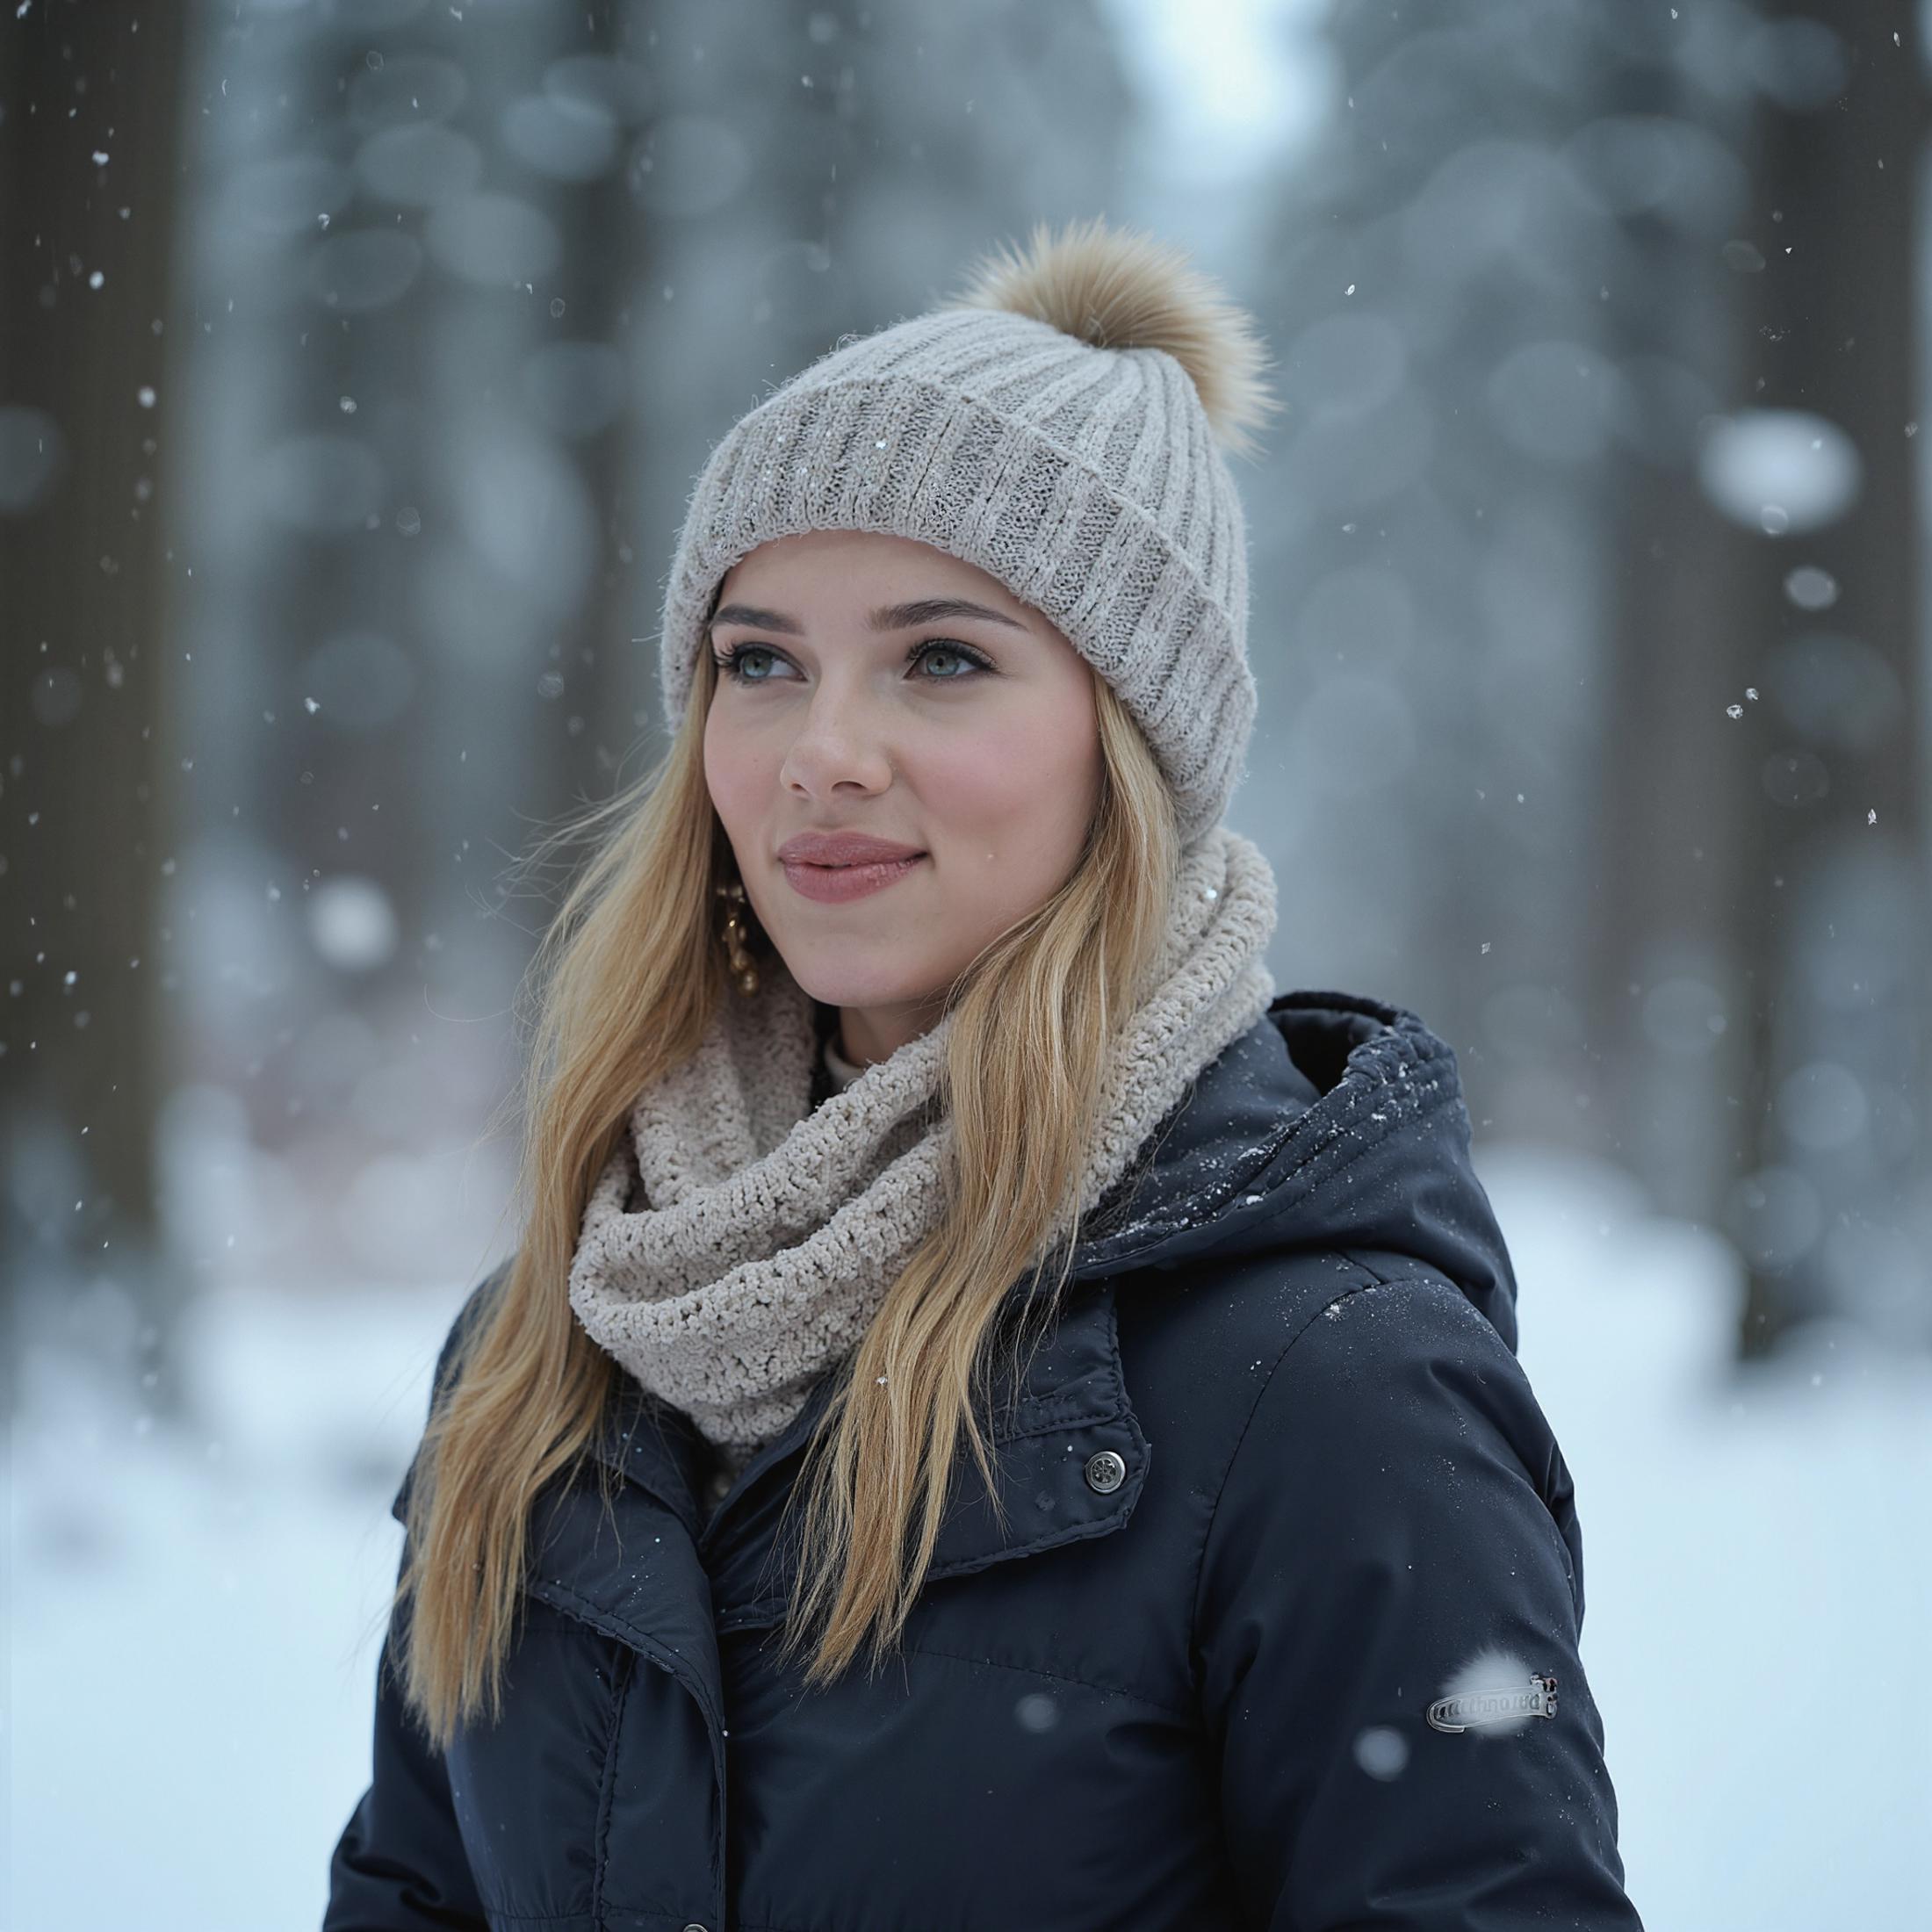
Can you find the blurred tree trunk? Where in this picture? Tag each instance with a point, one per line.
(610, 261)
(1669, 973)
(1831, 904)
(90, 103)
(1764, 961)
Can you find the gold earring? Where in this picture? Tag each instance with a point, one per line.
(744, 969)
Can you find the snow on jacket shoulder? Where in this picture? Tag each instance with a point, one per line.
(1281, 1630)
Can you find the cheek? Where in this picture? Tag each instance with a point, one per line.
(1033, 779)
(733, 771)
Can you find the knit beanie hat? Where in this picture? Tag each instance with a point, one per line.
(1060, 424)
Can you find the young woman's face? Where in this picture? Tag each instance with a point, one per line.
(968, 736)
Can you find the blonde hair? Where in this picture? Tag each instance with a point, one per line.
(623, 984)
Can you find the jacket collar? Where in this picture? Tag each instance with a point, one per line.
(1073, 1406)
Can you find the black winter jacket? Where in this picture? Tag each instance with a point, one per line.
(1276, 1483)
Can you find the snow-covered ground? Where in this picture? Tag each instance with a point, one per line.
(1757, 1568)
(195, 1622)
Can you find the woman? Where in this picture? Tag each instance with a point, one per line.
(911, 1082)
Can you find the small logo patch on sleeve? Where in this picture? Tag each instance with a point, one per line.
(1495, 1692)
(1502, 1706)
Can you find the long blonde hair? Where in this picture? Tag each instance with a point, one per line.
(622, 985)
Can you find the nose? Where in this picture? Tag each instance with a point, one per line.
(837, 744)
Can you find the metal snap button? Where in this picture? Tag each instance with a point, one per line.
(693, 1926)
(1104, 1471)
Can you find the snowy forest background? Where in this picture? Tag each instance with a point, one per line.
(355, 359)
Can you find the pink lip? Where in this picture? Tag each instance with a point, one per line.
(833, 884)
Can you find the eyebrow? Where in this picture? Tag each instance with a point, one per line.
(899, 616)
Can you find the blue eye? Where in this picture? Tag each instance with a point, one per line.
(732, 662)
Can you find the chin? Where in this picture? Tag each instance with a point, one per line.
(849, 984)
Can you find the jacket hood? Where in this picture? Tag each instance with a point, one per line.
(1337, 1122)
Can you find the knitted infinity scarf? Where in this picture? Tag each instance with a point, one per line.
(739, 1240)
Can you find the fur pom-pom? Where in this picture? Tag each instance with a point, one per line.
(1119, 290)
